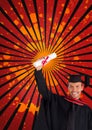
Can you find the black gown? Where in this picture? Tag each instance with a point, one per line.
(56, 113)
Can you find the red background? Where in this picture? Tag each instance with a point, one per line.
(30, 29)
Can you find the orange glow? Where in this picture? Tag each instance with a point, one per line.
(6, 57)
(67, 11)
(33, 17)
(77, 39)
(76, 58)
(16, 22)
(32, 108)
(22, 107)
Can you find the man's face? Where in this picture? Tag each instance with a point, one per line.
(75, 89)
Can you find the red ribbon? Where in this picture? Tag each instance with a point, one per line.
(45, 60)
(75, 101)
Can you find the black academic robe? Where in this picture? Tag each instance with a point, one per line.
(56, 113)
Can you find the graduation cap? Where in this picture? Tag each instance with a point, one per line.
(78, 78)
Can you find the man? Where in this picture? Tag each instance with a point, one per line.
(62, 113)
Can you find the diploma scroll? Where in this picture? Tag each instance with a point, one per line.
(44, 60)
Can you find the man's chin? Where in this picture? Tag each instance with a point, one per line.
(75, 96)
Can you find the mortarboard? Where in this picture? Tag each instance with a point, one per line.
(78, 78)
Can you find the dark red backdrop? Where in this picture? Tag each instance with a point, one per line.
(30, 29)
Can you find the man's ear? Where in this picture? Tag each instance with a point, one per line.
(68, 85)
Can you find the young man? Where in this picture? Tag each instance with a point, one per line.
(62, 113)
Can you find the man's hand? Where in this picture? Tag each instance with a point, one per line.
(39, 67)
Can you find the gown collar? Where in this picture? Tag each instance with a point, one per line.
(75, 101)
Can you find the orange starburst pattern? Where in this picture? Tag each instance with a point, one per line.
(29, 30)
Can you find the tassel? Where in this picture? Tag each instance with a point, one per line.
(87, 80)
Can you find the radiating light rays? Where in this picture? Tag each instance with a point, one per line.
(30, 30)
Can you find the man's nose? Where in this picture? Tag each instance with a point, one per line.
(74, 88)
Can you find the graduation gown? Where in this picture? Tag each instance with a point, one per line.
(60, 113)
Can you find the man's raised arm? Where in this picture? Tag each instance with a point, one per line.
(41, 83)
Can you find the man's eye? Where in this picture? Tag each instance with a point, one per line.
(77, 86)
(71, 86)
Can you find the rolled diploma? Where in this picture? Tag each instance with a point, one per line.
(44, 60)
